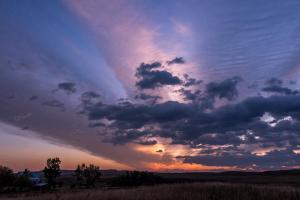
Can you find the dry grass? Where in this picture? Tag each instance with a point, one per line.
(199, 191)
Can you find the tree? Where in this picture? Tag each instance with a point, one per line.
(7, 177)
(136, 178)
(27, 173)
(87, 174)
(92, 174)
(22, 180)
(52, 170)
(79, 174)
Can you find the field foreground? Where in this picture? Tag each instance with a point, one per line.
(199, 191)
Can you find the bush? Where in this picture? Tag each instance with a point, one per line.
(7, 177)
(22, 181)
(87, 175)
(136, 178)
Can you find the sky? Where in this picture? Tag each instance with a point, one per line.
(174, 85)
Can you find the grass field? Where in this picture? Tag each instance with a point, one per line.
(188, 191)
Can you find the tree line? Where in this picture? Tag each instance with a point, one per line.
(86, 175)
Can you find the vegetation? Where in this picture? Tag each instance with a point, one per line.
(52, 171)
(199, 191)
(7, 177)
(137, 178)
(22, 180)
(87, 175)
(14, 182)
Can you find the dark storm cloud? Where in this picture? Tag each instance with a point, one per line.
(140, 113)
(274, 85)
(147, 142)
(280, 90)
(189, 124)
(67, 87)
(123, 136)
(89, 97)
(149, 98)
(226, 89)
(273, 81)
(275, 159)
(190, 81)
(144, 96)
(177, 60)
(151, 79)
(189, 94)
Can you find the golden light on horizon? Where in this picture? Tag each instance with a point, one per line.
(180, 166)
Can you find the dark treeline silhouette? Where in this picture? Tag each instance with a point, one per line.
(52, 178)
(86, 175)
(136, 178)
(14, 182)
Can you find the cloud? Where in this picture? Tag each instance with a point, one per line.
(177, 60)
(151, 79)
(190, 81)
(89, 97)
(276, 159)
(147, 142)
(33, 98)
(274, 81)
(67, 87)
(274, 85)
(226, 89)
(188, 124)
(189, 95)
(280, 90)
(54, 103)
(146, 97)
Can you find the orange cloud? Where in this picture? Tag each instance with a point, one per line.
(179, 166)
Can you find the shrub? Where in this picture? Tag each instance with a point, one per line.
(87, 175)
(136, 178)
(7, 177)
(22, 180)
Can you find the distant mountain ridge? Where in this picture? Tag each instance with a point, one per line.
(113, 172)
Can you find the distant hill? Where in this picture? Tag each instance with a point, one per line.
(114, 172)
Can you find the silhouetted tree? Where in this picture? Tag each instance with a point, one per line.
(52, 170)
(27, 173)
(87, 174)
(136, 178)
(7, 177)
(22, 180)
(79, 174)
